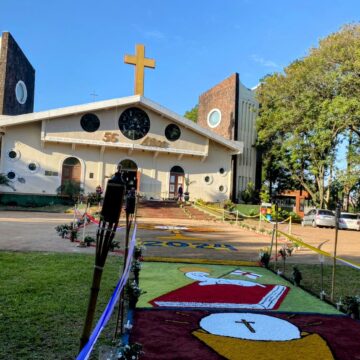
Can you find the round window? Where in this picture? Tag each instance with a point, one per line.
(134, 123)
(222, 171)
(208, 179)
(223, 188)
(90, 122)
(11, 175)
(214, 118)
(33, 166)
(172, 132)
(21, 92)
(13, 154)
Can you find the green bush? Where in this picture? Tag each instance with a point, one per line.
(70, 189)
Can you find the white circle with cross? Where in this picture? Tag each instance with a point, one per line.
(250, 327)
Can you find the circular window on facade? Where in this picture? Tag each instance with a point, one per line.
(208, 179)
(214, 118)
(13, 155)
(90, 122)
(33, 166)
(11, 175)
(21, 92)
(172, 132)
(223, 188)
(134, 123)
(222, 171)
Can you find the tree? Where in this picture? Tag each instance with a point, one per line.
(192, 114)
(309, 109)
(249, 194)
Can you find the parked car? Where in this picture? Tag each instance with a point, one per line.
(349, 221)
(319, 217)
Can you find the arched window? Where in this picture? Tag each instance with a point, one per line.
(177, 170)
(128, 165)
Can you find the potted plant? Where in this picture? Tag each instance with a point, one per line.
(135, 268)
(351, 306)
(296, 276)
(73, 232)
(114, 245)
(62, 230)
(129, 352)
(138, 252)
(264, 257)
(133, 293)
(187, 184)
(88, 240)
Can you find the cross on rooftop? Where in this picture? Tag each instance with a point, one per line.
(247, 324)
(140, 62)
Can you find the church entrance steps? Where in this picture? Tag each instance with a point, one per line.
(160, 210)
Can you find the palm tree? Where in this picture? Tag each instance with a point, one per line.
(5, 181)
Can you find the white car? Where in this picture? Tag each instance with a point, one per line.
(349, 221)
(319, 217)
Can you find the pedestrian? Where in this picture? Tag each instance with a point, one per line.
(99, 192)
(180, 193)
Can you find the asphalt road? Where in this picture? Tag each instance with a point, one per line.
(31, 231)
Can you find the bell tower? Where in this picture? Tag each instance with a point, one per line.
(17, 78)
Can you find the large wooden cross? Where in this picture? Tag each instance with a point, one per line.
(140, 62)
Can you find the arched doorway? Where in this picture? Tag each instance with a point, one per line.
(71, 170)
(176, 179)
(131, 175)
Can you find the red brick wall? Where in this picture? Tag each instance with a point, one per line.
(14, 66)
(223, 97)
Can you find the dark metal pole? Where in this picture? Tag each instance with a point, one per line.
(337, 216)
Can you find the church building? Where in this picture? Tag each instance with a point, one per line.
(158, 149)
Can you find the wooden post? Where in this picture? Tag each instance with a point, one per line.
(276, 234)
(290, 224)
(83, 233)
(337, 216)
(260, 219)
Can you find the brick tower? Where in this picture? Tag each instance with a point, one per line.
(17, 78)
(230, 109)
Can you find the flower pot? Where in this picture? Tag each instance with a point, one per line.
(186, 196)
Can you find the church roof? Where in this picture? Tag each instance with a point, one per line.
(5, 121)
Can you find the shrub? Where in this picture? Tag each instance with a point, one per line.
(70, 189)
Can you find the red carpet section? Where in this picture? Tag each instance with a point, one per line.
(199, 335)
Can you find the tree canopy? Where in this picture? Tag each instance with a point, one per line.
(307, 111)
(192, 114)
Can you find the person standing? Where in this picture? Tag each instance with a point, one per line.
(180, 193)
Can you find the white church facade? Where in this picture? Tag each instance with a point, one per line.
(158, 149)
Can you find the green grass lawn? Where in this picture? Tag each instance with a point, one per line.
(347, 279)
(43, 302)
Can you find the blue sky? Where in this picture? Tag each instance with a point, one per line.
(77, 47)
